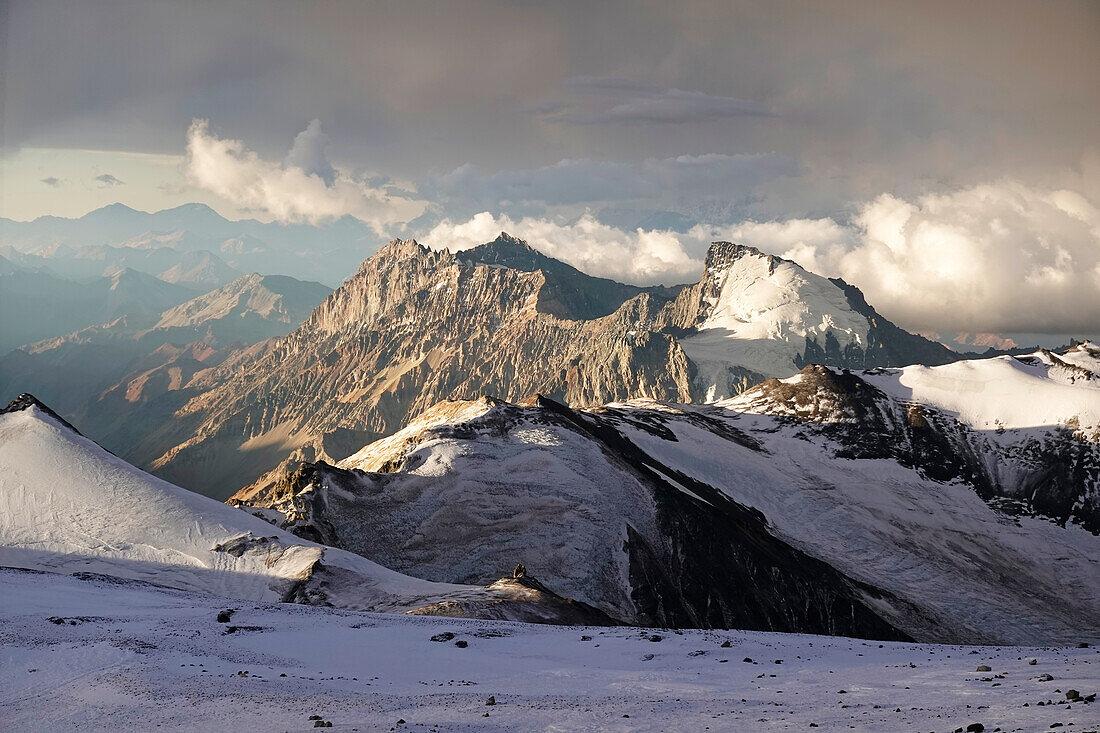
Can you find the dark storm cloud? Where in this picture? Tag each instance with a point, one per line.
(636, 101)
(866, 96)
(468, 189)
(108, 180)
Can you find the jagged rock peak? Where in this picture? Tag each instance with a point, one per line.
(401, 249)
(723, 254)
(508, 251)
(506, 238)
(26, 401)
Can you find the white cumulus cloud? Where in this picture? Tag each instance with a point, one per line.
(642, 257)
(999, 256)
(303, 188)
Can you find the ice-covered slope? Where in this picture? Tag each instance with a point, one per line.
(670, 514)
(478, 485)
(67, 505)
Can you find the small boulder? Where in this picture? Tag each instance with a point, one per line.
(445, 636)
(492, 700)
(975, 728)
(462, 644)
(1072, 694)
(984, 668)
(1033, 661)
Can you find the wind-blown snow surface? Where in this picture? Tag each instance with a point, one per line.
(135, 657)
(68, 505)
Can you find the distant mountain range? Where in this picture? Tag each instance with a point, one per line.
(189, 244)
(37, 304)
(122, 376)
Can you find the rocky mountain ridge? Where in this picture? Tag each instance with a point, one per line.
(415, 326)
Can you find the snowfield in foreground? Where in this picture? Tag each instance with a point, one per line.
(95, 653)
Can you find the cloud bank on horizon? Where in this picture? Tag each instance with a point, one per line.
(998, 256)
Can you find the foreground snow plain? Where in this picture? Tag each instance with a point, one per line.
(129, 655)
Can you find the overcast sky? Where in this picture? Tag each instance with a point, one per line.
(877, 140)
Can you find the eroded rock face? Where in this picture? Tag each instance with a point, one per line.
(414, 327)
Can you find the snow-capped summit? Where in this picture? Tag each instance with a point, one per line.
(757, 315)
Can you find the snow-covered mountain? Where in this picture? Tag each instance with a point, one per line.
(755, 315)
(67, 505)
(416, 326)
(933, 500)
